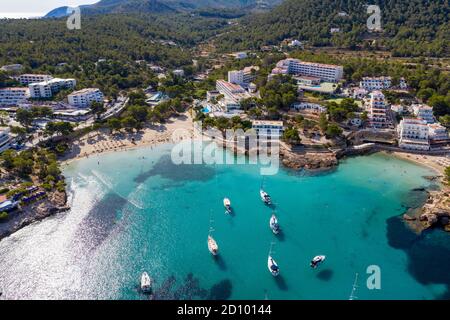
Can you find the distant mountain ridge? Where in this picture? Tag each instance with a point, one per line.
(161, 6)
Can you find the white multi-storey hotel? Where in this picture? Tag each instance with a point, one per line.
(13, 96)
(233, 94)
(424, 112)
(84, 98)
(325, 72)
(375, 83)
(47, 89)
(242, 77)
(26, 79)
(377, 110)
(437, 133)
(268, 128)
(5, 139)
(413, 134)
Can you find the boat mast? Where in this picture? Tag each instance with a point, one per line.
(352, 294)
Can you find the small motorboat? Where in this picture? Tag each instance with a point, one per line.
(212, 246)
(265, 197)
(227, 205)
(273, 267)
(316, 261)
(274, 224)
(146, 283)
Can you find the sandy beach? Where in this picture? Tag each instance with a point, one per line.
(102, 141)
(436, 163)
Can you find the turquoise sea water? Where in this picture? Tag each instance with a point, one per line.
(135, 211)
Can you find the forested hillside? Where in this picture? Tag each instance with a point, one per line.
(120, 37)
(410, 27)
(41, 45)
(161, 6)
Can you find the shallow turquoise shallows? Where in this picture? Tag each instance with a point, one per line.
(136, 211)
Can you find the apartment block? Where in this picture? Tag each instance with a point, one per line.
(244, 76)
(375, 83)
(84, 98)
(324, 72)
(424, 112)
(26, 79)
(13, 96)
(47, 89)
(377, 110)
(413, 134)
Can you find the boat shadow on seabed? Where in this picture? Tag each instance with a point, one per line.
(220, 262)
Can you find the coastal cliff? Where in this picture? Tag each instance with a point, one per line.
(56, 202)
(436, 212)
(309, 161)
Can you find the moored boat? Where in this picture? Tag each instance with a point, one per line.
(146, 283)
(274, 224)
(212, 246)
(227, 205)
(273, 266)
(265, 197)
(316, 261)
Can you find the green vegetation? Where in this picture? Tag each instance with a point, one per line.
(40, 164)
(119, 39)
(447, 174)
(60, 128)
(3, 216)
(342, 111)
(333, 131)
(223, 123)
(291, 135)
(410, 27)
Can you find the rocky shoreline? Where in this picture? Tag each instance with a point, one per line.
(55, 203)
(434, 214)
(309, 161)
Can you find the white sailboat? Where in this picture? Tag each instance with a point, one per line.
(316, 261)
(265, 197)
(273, 223)
(212, 246)
(227, 205)
(271, 264)
(146, 283)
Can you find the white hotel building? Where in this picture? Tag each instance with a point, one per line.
(26, 79)
(437, 133)
(413, 134)
(242, 77)
(424, 112)
(233, 94)
(13, 96)
(377, 110)
(325, 72)
(84, 98)
(5, 139)
(268, 128)
(375, 83)
(307, 107)
(47, 89)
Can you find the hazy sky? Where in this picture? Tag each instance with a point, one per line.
(33, 8)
